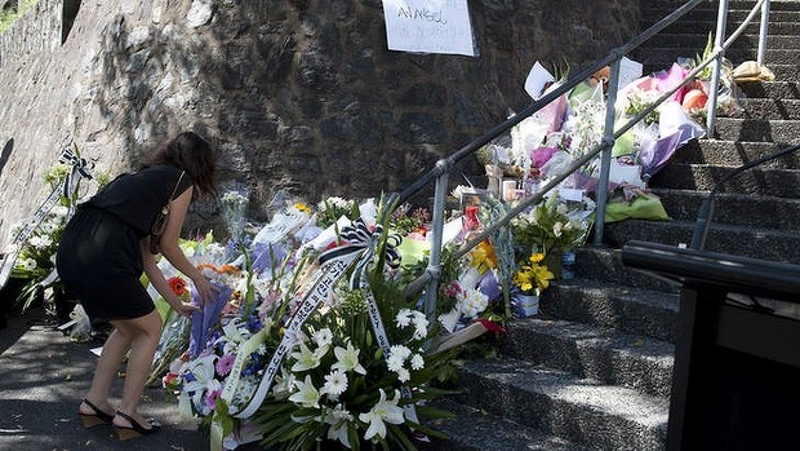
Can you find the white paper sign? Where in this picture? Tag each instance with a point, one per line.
(537, 79)
(625, 174)
(629, 71)
(572, 195)
(429, 26)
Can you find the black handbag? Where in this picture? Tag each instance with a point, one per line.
(160, 221)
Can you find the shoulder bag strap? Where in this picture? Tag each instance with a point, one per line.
(175, 190)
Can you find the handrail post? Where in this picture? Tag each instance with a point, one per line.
(434, 263)
(762, 35)
(608, 144)
(719, 39)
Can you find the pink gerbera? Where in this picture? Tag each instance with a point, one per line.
(211, 398)
(224, 364)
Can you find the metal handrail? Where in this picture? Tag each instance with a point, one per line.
(440, 171)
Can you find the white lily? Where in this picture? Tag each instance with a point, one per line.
(285, 384)
(383, 411)
(347, 359)
(203, 371)
(338, 418)
(307, 395)
(305, 359)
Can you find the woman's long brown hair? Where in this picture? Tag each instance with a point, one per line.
(193, 154)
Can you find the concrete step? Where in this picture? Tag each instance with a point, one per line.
(771, 89)
(670, 5)
(732, 129)
(730, 153)
(704, 27)
(477, 430)
(581, 410)
(735, 16)
(734, 209)
(735, 56)
(703, 177)
(783, 72)
(762, 244)
(602, 354)
(604, 264)
(612, 303)
(699, 41)
(772, 109)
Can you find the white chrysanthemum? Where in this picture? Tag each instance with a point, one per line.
(403, 375)
(334, 202)
(417, 362)
(60, 211)
(29, 264)
(558, 227)
(394, 363)
(403, 318)
(41, 242)
(233, 197)
(400, 351)
(322, 337)
(244, 392)
(473, 303)
(48, 227)
(335, 383)
(420, 326)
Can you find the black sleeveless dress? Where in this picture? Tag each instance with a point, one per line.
(99, 258)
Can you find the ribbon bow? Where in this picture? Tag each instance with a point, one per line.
(360, 239)
(80, 166)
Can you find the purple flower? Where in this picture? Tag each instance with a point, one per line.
(211, 398)
(254, 324)
(225, 363)
(205, 319)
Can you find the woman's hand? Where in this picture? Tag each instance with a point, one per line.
(185, 309)
(205, 289)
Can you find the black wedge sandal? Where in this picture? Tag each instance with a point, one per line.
(135, 430)
(98, 418)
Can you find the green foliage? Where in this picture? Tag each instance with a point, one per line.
(636, 105)
(7, 18)
(706, 73)
(333, 208)
(406, 219)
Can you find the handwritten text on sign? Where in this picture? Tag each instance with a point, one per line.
(429, 26)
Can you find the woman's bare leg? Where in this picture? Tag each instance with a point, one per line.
(146, 332)
(114, 350)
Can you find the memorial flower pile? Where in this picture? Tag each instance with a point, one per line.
(315, 336)
(318, 344)
(36, 259)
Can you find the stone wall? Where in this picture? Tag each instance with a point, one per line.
(38, 31)
(300, 95)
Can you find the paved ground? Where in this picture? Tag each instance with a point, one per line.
(44, 376)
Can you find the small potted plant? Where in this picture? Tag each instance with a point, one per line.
(530, 280)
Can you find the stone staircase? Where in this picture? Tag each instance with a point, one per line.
(594, 369)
